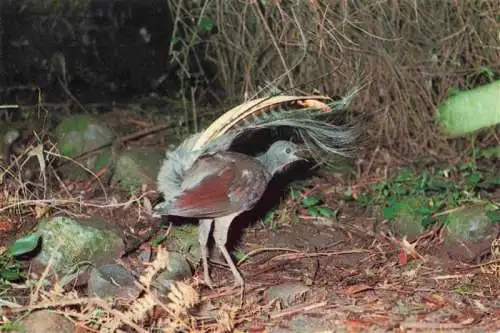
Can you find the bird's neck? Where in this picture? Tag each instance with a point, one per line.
(272, 164)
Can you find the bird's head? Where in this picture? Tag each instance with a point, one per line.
(281, 154)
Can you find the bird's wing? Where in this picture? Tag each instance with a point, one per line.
(220, 184)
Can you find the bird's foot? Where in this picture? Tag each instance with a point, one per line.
(239, 282)
(209, 284)
(208, 281)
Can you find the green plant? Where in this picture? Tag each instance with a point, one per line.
(9, 268)
(192, 28)
(10, 327)
(423, 195)
(269, 218)
(313, 205)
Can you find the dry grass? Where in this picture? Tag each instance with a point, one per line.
(171, 313)
(408, 54)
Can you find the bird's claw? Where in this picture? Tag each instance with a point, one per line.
(208, 281)
(239, 283)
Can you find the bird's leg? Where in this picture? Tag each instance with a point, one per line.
(205, 225)
(221, 228)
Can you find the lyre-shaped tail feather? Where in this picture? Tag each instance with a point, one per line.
(321, 136)
(262, 108)
(258, 108)
(311, 125)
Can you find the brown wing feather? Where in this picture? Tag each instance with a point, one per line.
(221, 184)
(249, 183)
(208, 199)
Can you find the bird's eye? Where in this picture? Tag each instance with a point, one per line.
(288, 150)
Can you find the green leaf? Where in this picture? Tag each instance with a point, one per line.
(11, 327)
(158, 240)
(439, 183)
(268, 219)
(490, 152)
(405, 175)
(366, 200)
(326, 211)
(487, 73)
(474, 178)
(313, 211)
(390, 213)
(379, 187)
(467, 166)
(423, 210)
(346, 198)
(295, 193)
(494, 215)
(206, 24)
(24, 245)
(310, 201)
(423, 180)
(490, 182)
(238, 254)
(399, 190)
(10, 274)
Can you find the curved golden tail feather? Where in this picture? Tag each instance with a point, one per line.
(256, 107)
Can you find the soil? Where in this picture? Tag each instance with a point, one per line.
(357, 276)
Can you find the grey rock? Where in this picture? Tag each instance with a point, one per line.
(287, 293)
(303, 323)
(45, 321)
(470, 232)
(470, 224)
(184, 240)
(112, 280)
(137, 167)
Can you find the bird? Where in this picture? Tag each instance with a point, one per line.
(191, 174)
(221, 185)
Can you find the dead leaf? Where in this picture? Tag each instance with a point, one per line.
(148, 206)
(41, 210)
(435, 299)
(357, 289)
(403, 257)
(6, 226)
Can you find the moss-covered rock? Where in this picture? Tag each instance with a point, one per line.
(137, 167)
(68, 242)
(80, 134)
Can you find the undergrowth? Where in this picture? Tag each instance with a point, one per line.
(300, 201)
(434, 192)
(407, 55)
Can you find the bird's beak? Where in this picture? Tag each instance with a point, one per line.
(303, 154)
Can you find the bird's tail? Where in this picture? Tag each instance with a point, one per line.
(318, 121)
